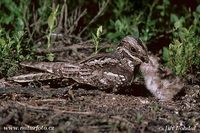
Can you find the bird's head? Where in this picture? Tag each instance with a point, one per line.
(133, 48)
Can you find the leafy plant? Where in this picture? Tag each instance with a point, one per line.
(124, 26)
(96, 38)
(183, 52)
(13, 18)
(11, 52)
(13, 14)
(51, 23)
(137, 22)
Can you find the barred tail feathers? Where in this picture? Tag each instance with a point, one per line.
(49, 66)
(63, 69)
(33, 77)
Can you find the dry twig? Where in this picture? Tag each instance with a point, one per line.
(74, 47)
(102, 7)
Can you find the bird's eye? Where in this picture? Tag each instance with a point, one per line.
(120, 44)
(132, 49)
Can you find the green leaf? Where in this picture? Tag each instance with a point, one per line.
(173, 18)
(50, 56)
(165, 54)
(94, 38)
(52, 18)
(99, 31)
(198, 8)
(177, 24)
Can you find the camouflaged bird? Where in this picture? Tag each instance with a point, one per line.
(105, 71)
(112, 71)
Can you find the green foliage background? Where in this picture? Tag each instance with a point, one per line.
(149, 20)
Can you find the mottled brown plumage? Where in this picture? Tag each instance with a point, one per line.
(105, 71)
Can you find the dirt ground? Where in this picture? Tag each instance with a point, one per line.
(81, 109)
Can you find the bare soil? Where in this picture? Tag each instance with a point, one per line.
(81, 109)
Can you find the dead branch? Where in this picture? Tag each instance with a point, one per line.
(102, 7)
(74, 47)
(78, 15)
